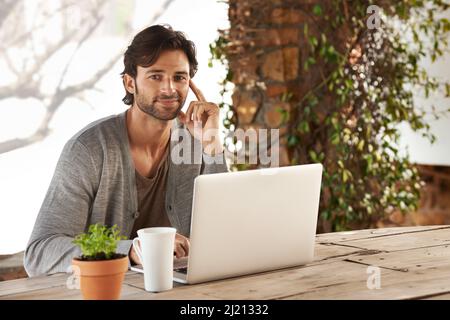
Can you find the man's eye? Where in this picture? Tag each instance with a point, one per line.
(180, 78)
(155, 77)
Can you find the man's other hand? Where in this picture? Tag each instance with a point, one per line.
(182, 245)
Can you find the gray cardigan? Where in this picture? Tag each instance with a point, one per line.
(94, 182)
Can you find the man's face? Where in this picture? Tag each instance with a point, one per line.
(162, 88)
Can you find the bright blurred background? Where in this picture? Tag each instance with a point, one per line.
(34, 29)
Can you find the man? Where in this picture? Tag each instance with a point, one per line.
(123, 169)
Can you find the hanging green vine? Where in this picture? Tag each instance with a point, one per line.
(362, 82)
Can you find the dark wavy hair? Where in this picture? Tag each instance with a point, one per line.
(147, 46)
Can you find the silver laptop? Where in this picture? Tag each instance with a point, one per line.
(251, 221)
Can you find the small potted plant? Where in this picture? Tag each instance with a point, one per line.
(100, 268)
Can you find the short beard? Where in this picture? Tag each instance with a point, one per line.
(152, 110)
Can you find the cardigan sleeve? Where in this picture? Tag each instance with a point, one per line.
(63, 214)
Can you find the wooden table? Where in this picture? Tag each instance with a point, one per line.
(413, 262)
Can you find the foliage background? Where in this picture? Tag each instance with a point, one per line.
(363, 83)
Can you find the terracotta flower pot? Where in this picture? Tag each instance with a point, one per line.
(101, 279)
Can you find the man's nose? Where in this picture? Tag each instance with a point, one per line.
(168, 86)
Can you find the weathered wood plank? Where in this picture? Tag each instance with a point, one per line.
(30, 284)
(270, 285)
(420, 260)
(408, 274)
(324, 252)
(443, 296)
(342, 237)
(62, 293)
(394, 285)
(405, 241)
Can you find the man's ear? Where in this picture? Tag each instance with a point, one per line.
(129, 83)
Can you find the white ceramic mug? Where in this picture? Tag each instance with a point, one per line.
(156, 254)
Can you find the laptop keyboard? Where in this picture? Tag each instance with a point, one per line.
(181, 270)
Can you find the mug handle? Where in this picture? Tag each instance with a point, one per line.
(137, 249)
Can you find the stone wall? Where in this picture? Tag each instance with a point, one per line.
(265, 62)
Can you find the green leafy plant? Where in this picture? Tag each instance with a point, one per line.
(99, 243)
(357, 87)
